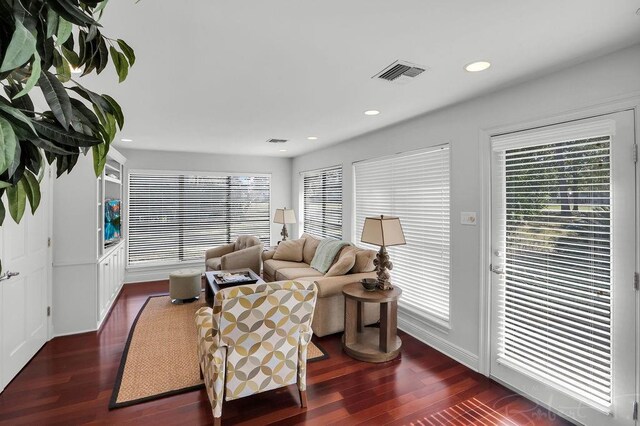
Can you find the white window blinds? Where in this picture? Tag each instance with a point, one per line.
(554, 240)
(322, 194)
(175, 217)
(415, 187)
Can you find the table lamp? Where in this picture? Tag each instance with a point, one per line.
(284, 216)
(383, 231)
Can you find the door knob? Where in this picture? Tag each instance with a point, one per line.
(7, 275)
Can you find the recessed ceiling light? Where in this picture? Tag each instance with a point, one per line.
(283, 150)
(126, 140)
(312, 138)
(372, 112)
(477, 66)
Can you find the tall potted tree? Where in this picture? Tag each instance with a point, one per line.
(41, 42)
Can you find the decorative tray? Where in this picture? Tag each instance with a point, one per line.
(234, 279)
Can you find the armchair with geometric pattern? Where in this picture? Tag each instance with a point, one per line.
(255, 339)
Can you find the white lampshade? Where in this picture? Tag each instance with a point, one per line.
(383, 231)
(284, 216)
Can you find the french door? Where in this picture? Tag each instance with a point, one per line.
(563, 262)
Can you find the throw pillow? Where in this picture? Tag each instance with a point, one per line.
(364, 261)
(345, 262)
(290, 250)
(310, 247)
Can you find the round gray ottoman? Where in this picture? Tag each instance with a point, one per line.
(185, 285)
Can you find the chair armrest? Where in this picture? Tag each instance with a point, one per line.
(305, 338)
(329, 286)
(218, 251)
(266, 255)
(249, 257)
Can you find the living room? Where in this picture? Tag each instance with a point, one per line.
(492, 143)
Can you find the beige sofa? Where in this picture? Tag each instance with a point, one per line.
(293, 265)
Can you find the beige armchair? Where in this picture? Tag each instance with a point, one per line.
(255, 339)
(246, 252)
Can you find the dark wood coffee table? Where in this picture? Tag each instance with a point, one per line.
(212, 286)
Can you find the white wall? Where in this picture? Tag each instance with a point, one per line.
(279, 168)
(586, 85)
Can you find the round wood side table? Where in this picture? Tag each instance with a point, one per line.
(368, 343)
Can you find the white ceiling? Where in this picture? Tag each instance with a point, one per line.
(222, 77)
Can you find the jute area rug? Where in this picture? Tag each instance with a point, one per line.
(160, 357)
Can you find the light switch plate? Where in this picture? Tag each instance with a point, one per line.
(468, 218)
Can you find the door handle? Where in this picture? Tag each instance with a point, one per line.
(496, 270)
(8, 275)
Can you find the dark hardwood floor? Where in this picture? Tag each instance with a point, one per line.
(71, 379)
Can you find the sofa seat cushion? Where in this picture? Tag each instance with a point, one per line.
(214, 264)
(295, 273)
(271, 266)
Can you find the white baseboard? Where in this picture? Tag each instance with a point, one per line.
(71, 333)
(421, 332)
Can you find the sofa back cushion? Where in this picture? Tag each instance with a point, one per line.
(346, 260)
(290, 250)
(364, 261)
(310, 246)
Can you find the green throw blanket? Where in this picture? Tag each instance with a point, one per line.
(325, 253)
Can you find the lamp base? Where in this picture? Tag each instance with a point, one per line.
(383, 266)
(284, 233)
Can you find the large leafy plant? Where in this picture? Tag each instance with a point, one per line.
(43, 43)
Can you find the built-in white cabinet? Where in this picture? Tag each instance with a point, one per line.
(88, 262)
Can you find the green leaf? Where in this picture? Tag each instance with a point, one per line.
(92, 97)
(71, 56)
(85, 115)
(98, 10)
(120, 63)
(64, 137)
(49, 147)
(17, 197)
(103, 57)
(52, 22)
(21, 47)
(57, 97)
(32, 188)
(117, 111)
(128, 51)
(2, 214)
(71, 12)
(62, 69)
(16, 162)
(64, 31)
(7, 145)
(4, 184)
(99, 158)
(33, 78)
(17, 117)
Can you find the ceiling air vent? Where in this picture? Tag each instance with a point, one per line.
(276, 140)
(400, 72)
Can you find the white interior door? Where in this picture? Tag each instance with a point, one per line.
(24, 297)
(563, 259)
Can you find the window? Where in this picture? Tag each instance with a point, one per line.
(175, 217)
(323, 202)
(415, 187)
